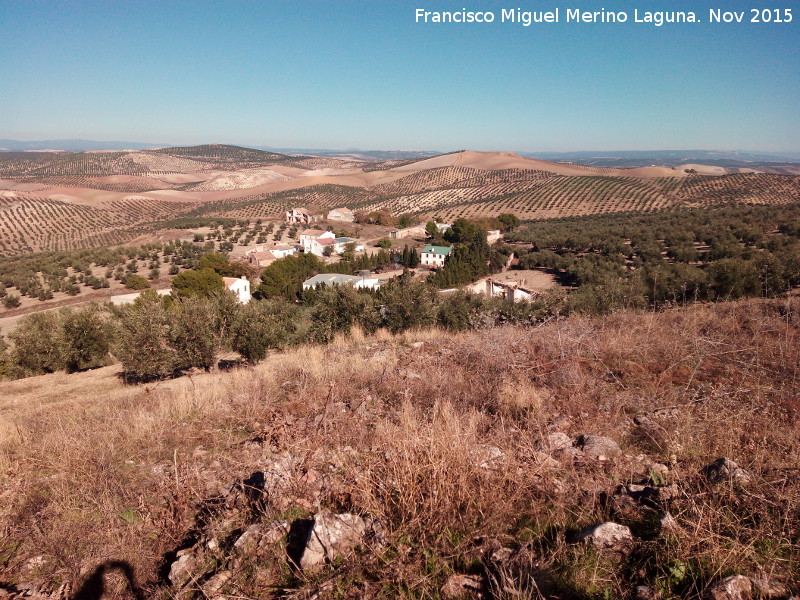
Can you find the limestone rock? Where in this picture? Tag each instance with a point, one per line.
(487, 457)
(724, 469)
(214, 585)
(556, 441)
(462, 586)
(606, 536)
(659, 473)
(182, 570)
(248, 541)
(332, 536)
(599, 447)
(736, 587)
(668, 523)
(767, 588)
(545, 461)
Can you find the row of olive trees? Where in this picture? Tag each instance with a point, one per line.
(157, 337)
(153, 337)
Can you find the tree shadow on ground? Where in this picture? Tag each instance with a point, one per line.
(94, 587)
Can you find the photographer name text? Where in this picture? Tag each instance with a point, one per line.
(655, 18)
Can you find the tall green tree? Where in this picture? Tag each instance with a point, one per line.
(263, 325)
(87, 334)
(407, 304)
(143, 343)
(337, 308)
(284, 278)
(38, 343)
(197, 332)
(200, 284)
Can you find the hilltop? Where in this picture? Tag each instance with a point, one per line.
(450, 465)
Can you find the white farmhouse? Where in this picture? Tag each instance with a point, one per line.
(434, 256)
(239, 286)
(307, 236)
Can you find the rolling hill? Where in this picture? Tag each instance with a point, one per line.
(65, 200)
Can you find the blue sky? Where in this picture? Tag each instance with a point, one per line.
(364, 74)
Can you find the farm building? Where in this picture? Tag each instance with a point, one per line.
(492, 236)
(434, 256)
(510, 290)
(408, 232)
(309, 235)
(262, 256)
(338, 279)
(337, 245)
(239, 286)
(123, 299)
(341, 214)
(300, 215)
(319, 245)
(260, 259)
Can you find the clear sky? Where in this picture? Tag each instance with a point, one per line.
(364, 74)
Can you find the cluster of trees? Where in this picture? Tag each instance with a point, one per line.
(65, 340)
(160, 336)
(471, 257)
(40, 275)
(636, 260)
(284, 278)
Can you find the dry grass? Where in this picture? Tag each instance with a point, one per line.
(436, 435)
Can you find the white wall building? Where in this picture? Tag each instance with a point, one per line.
(493, 235)
(239, 286)
(511, 290)
(434, 256)
(123, 299)
(341, 214)
(339, 279)
(308, 236)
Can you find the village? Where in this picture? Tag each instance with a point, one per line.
(316, 235)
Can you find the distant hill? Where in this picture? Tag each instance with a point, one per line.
(354, 153)
(64, 200)
(71, 145)
(627, 159)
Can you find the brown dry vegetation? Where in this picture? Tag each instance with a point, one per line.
(93, 470)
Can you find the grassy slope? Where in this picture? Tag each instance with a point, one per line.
(91, 470)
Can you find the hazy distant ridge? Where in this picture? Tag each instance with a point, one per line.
(72, 145)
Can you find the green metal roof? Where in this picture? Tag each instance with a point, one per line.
(443, 250)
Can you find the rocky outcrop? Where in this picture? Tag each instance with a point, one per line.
(598, 447)
(331, 536)
(463, 587)
(740, 587)
(606, 536)
(725, 470)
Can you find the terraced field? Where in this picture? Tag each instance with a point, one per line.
(28, 165)
(267, 206)
(31, 223)
(753, 188)
(455, 177)
(51, 200)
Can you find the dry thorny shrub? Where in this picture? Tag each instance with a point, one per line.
(439, 441)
